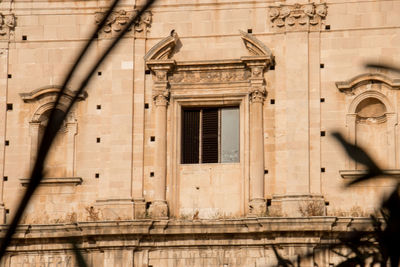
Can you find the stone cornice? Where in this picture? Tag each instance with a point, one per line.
(365, 78)
(207, 232)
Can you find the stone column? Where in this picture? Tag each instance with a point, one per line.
(159, 207)
(257, 204)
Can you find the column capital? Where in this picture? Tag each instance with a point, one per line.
(257, 65)
(257, 95)
(161, 98)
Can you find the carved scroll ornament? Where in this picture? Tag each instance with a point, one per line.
(290, 17)
(7, 25)
(118, 19)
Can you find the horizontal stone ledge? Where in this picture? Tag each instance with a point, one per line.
(301, 226)
(55, 181)
(353, 174)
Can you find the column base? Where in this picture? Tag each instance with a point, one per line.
(297, 206)
(257, 208)
(158, 210)
(115, 209)
(139, 208)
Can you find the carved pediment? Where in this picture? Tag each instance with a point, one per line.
(49, 91)
(163, 49)
(349, 85)
(255, 46)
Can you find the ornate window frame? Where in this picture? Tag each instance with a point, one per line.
(201, 83)
(357, 89)
(44, 99)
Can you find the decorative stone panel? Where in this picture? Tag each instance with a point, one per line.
(119, 19)
(298, 17)
(7, 25)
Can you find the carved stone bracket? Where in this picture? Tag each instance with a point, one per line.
(7, 25)
(297, 16)
(119, 19)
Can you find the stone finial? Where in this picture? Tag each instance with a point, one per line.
(118, 20)
(297, 16)
(7, 25)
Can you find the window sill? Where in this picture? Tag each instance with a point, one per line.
(353, 174)
(55, 181)
(212, 164)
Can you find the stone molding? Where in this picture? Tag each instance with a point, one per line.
(350, 85)
(353, 174)
(7, 26)
(119, 19)
(298, 16)
(55, 181)
(164, 228)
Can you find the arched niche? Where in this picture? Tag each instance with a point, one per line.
(60, 159)
(371, 120)
(371, 123)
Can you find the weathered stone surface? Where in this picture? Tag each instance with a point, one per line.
(115, 178)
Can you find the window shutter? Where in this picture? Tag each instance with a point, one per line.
(190, 136)
(210, 136)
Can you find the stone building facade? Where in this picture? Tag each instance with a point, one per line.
(204, 138)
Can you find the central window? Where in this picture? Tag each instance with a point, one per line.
(210, 135)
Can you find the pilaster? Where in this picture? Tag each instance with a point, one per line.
(257, 93)
(159, 207)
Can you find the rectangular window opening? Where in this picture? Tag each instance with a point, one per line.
(210, 135)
